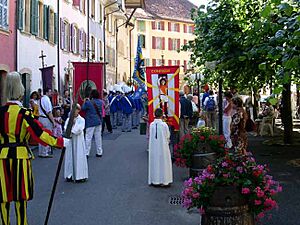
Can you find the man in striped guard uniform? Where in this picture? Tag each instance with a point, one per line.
(17, 126)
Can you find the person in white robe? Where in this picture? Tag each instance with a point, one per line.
(76, 147)
(160, 163)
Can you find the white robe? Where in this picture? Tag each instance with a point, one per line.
(160, 163)
(77, 143)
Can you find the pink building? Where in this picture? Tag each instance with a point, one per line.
(7, 42)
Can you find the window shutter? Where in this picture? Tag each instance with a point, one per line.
(153, 25)
(178, 44)
(170, 44)
(185, 41)
(62, 34)
(178, 27)
(153, 62)
(71, 38)
(163, 44)
(46, 22)
(184, 28)
(193, 28)
(76, 3)
(169, 26)
(153, 43)
(162, 25)
(36, 20)
(170, 62)
(80, 42)
(20, 14)
(84, 43)
(56, 28)
(185, 65)
(178, 62)
(32, 14)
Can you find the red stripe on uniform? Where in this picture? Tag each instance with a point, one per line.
(60, 142)
(18, 125)
(23, 192)
(7, 182)
(35, 137)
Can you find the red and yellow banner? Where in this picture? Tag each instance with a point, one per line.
(163, 92)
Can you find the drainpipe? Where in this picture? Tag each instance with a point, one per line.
(58, 51)
(16, 36)
(87, 91)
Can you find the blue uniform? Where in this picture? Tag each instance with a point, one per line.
(127, 109)
(113, 110)
(137, 113)
(119, 110)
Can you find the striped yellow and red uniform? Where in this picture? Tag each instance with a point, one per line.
(16, 127)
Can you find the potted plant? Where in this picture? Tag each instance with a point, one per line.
(198, 149)
(234, 189)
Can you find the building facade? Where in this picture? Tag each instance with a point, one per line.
(164, 27)
(7, 42)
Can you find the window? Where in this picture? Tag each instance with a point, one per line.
(27, 15)
(82, 43)
(51, 26)
(4, 14)
(100, 52)
(41, 19)
(158, 25)
(100, 13)
(147, 62)
(158, 43)
(174, 44)
(34, 17)
(93, 9)
(191, 29)
(141, 26)
(92, 54)
(175, 27)
(143, 40)
(82, 6)
(65, 36)
(74, 39)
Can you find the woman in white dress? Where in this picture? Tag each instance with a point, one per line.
(160, 163)
(76, 148)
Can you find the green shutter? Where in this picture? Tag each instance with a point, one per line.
(46, 22)
(20, 14)
(32, 16)
(36, 22)
(55, 28)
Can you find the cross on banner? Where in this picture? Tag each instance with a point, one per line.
(42, 56)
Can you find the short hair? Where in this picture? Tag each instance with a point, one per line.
(34, 93)
(14, 87)
(94, 94)
(211, 92)
(158, 112)
(237, 101)
(228, 94)
(46, 90)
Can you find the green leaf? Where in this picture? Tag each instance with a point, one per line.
(277, 90)
(262, 66)
(266, 11)
(242, 58)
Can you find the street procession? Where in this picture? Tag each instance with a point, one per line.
(139, 112)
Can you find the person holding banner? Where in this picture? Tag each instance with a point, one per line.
(17, 126)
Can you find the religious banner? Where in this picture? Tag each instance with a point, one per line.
(47, 77)
(87, 76)
(163, 92)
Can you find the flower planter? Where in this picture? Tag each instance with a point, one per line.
(201, 158)
(227, 207)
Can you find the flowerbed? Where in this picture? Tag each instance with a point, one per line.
(251, 179)
(189, 143)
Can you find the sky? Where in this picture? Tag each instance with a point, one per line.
(199, 2)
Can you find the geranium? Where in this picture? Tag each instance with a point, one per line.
(251, 179)
(190, 142)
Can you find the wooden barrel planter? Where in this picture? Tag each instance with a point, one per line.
(227, 207)
(201, 158)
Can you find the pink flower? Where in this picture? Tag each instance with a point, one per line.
(245, 191)
(196, 195)
(279, 188)
(257, 202)
(239, 169)
(224, 164)
(270, 204)
(261, 215)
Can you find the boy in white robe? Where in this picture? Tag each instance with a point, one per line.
(76, 148)
(160, 163)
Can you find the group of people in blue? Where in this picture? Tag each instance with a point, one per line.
(126, 108)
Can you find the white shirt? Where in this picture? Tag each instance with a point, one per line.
(46, 104)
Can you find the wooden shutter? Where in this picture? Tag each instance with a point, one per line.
(162, 23)
(20, 14)
(184, 28)
(76, 3)
(170, 62)
(170, 43)
(185, 65)
(178, 44)
(46, 22)
(193, 28)
(185, 42)
(169, 26)
(153, 25)
(178, 62)
(153, 43)
(163, 44)
(32, 16)
(71, 38)
(56, 28)
(178, 27)
(84, 44)
(62, 34)
(153, 62)
(80, 42)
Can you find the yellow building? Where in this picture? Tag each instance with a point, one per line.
(164, 27)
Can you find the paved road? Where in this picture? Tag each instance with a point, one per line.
(116, 192)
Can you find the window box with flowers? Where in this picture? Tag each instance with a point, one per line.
(235, 190)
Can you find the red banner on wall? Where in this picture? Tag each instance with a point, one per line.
(87, 74)
(163, 92)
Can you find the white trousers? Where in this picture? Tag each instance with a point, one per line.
(227, 131)
(89, 134)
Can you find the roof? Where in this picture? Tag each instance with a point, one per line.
(179, 10)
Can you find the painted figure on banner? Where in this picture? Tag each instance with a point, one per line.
(163, 93)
